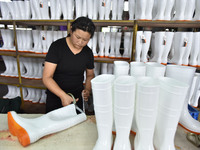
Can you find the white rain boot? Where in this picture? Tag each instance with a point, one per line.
(149, 9)
(78, 6)
(197, 11)
(180, 7)
(21, 6)
(36, 7)
(101, 43)
(114, 9)
(124, 104)
(180, 42)
(171, 100)
(9, 39)
(117, 44)
(49, 38)
(27, 6)
(53, 4)
(104, 68)
(103, 107)
(167, 47)
(160, 9)
(184, 74)
(44, 9)
(95, 9)
(120, 9)
(110, 68)
(147, 96)
(189, 10)
(138, 49)
(107, 43)
(6, 15)
(159, 45)
(137, 69)
(168, 9)
(121, 68)
(58, 10)
(140, 9)
(36, 39)
(70, 9)
(90, 6)
(127, 40)
(11, 9)
(30, 130)
(195, 49)
(84, 8)
(97, 67)
(43, 37)
(94, 44)
(107, 9)
(102, 9)
(43, 97)
(37, 96)
(155, 70)
(131, 9)
(195, 90)
(112, 45)
(146, 39)
(188, 49)
(29, 41)
(16, 10)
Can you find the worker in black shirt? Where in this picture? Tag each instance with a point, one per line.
(64, 67)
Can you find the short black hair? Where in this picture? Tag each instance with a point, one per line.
(85, 24)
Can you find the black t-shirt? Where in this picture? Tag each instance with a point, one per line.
(69, 73)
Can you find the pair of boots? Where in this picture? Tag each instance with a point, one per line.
(11, 66)
(8, 40)
(13, 92)
(34, 95)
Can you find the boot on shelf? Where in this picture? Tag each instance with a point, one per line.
(95, 9)
(171, 100)
(107, 43)
(107, 9)
(78, 7)
(127, 40)
(112, 45)
(103, 107)
(43, 37)
(197, 11)
(44, 9)
(120, 9)
(43, 97)
(90, 6)
(37, 46)
(168, 10)
(97, 68)
(118, 44)
(140, 11)
(114, 9)
(110, 68)
(101, 11)
(138, 49)
(124, 103)
(101, 43)
(30, 130)
(94, 44)
(149, 9)
(180, 7)
(104, 68)
(189, 10)
(29, 41)
(160, 7)
(36, 9)
(6, 15)
(131, 9)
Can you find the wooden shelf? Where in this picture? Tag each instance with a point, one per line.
(172, 24)
(109, 60)
(34, 55)
(7, 53)
(33, 83)
(6, 22)
(42, 22)
(113, 22)
(14, 81)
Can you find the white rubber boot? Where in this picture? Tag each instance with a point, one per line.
(70, 9)
(186, 55)
(197, 11)
(101, 43)
(171, 100)
(94, 44)
(180, 7)
(137, 69)
(107, 43)
(36, 38)
(29, 41)
(58, 9)
(17, 10)
(27, 8)
(6, 15)
(103, 107)
(131, 9)
(149, 9)
(140, 9)
(43, 97)
(97, 67)
(180, 42)
(6, 62)
(78, 6)
(159, 46)
(107, 9)
(155, 70)
(189, 10)
(147, 96)
(168, 9)
(127, 40)
(36, 7)
(146, 40)
(84, 8)
(90, 5)
(21, 6)
(53, 4)
(117, 44)
(101, 10)
(160, 7)
(43, 37)
(30, 130)
(44, 9)
(49, 38)
(167, 47)
(10, 40)
(95, 9)
(121, 68)
(112, 45)
(185, 74)
(124, 104)
(120, 9)
(104, 68)
(195, 91)
(11, 9)
(195, 49)
(114, 9)
(110, 68)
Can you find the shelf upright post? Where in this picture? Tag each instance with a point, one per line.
(135, 29)
(68, 26)
(18, 64)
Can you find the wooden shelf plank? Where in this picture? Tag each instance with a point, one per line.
(9, 81)
(7, 53)
(25, 54)
(33, 83)
(109, 60)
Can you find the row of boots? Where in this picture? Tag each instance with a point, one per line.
(35, 41)
(101, 9)
(181, 48)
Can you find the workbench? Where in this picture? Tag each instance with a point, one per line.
(80, 137)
